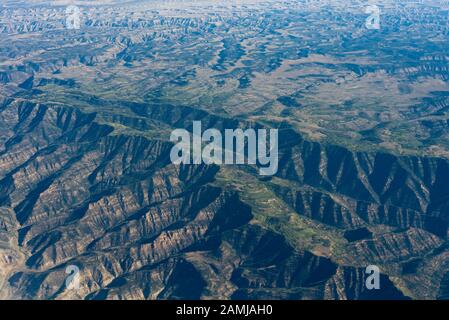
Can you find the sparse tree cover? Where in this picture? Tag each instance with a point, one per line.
(335, 112)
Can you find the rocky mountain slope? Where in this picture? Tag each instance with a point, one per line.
(77, 194)
(86, 178)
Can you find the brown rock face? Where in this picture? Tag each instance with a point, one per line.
(138, 227)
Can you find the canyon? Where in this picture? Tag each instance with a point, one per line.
(86, 177)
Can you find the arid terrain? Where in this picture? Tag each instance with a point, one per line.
(86, 178)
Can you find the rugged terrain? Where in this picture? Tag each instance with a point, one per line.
(86, 177)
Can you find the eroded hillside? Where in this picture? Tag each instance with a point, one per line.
(86, 177)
